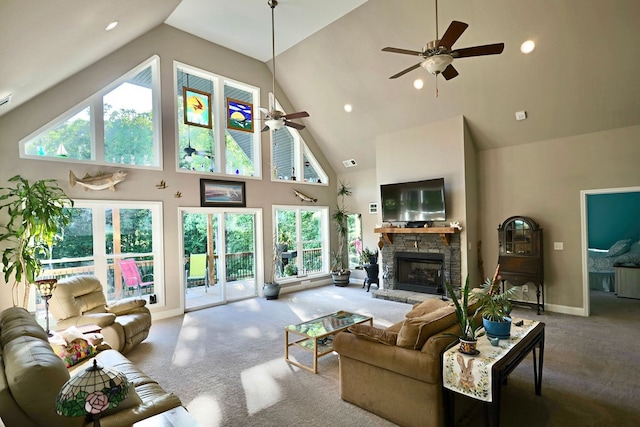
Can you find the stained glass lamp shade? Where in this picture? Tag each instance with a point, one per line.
(92, 392)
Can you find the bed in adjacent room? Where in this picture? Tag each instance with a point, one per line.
(602, 262)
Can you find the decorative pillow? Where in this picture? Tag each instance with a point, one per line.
(619, 247)
(629, 258)
(417, 330)
(427, 306)
(75, 351)
(372, 333)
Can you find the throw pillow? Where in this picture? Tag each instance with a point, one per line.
(75, 351)
(619, 247)
(372, 333)
(417, 330)
(427, 306)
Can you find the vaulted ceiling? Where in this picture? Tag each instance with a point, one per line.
(581, 78)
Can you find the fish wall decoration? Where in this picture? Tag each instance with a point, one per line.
(304, 197)
(100, 181)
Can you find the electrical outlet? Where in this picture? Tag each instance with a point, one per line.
(525, 289)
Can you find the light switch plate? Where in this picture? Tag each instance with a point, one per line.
(558, 246)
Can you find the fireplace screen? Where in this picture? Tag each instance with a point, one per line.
(420, 272)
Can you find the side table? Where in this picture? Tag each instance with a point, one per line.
(501, 362)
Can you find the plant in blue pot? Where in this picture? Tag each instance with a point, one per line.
(495, 307)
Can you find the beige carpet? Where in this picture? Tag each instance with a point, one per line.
(226, 364)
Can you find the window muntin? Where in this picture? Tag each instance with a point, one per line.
(218, 150)
(120, 124)
(291, 159)
(101, 233)
(302, 237)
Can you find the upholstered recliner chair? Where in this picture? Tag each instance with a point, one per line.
(79, 300)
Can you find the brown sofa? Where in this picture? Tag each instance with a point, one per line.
(396, 373)
(80, 300)
(31, 376)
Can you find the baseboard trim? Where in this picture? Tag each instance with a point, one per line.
(305, 284)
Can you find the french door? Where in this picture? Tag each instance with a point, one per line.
(221, 252)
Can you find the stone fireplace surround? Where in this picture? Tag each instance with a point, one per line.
(421, 243)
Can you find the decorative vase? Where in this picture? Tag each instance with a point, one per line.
(468, 346)
(271, 290)
(341, 278)
(495, 329)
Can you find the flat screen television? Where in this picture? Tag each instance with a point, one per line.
(418, 201)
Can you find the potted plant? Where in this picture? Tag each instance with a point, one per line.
(467, 322)
(271, 288)
(35, 213)
(339, 273)
(495, 307)
(368, 256)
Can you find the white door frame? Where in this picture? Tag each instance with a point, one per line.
(585, 237)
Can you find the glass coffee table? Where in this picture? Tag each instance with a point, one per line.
(317, 335)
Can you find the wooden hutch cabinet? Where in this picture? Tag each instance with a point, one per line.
(520, 256)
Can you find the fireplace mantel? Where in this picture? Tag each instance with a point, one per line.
(444, 232)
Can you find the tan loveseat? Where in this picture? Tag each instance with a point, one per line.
(31, 376)
(400, 380)
(79, 300)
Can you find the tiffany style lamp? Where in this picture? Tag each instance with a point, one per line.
(92, 392)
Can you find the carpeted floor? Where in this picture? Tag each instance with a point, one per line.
(226, 364)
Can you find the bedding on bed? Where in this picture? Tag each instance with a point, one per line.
(602, 262)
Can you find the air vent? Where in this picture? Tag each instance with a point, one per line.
(5, 100)
(349, 163)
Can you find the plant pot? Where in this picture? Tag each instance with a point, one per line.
(495, 329)
(341, 278)
(468, 346)
(271, 290)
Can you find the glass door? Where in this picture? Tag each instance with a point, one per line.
(219, 253)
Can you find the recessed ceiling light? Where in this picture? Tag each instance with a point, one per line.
(527, 47)
(348, 108)
(418, 83)
(111, 26)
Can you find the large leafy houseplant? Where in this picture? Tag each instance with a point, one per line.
(34, 214)
(340, 216)
(466, 321)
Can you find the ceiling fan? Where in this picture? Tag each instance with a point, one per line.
(274, 119)
(439, 54)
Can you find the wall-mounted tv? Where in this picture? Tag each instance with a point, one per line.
(418, 201)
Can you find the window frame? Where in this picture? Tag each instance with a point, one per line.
(96, 119)
(219, 121)
(300, 149)
(324, 238)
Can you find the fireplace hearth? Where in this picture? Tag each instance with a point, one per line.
(420, 272)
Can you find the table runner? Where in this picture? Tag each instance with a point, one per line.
(471, 375)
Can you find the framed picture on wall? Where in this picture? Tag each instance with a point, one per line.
(239, 115)
(197, 107)
(217, 193)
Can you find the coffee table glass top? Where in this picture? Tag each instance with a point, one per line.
(328, 324)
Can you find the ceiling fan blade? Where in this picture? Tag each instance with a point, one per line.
(403, 51)
(403, 72)
(264, 129)
(449, 72)
(453, 33)
(488, 49)
(294, 125)
(297, 115)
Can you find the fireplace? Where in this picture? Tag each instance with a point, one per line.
(420, 272)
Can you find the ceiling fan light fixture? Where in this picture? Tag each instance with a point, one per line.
(436, 64)
(527, 47)
(274, 124)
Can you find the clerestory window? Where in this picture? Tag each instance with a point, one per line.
(215, 120)
(291, 159)
(118, 125)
